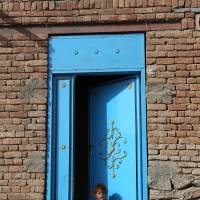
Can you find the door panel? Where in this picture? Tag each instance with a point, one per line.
(113, 138)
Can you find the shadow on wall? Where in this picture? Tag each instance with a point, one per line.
(115, 197)
(6, 18)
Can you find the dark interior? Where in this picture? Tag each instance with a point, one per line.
(82, 85)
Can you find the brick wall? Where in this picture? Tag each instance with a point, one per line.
(23, 89)
(173, 88)
(173, 84)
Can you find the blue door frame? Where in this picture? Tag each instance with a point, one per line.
(71, 56)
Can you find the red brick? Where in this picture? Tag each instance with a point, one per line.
(35, 182)
(169, 152)
(13, 154)
(182, 87)
(177, 80)
(182, 74)
(20, 196)
(28, 147)
(156, 107)
(177, 107)
(168, 140)
(165, 61)
(167, 127)
(167, 114)
(37, 196)
(188, 153)
(183, 47)
(184, 60)
(21, 37)
(17, 182)
(165, 74)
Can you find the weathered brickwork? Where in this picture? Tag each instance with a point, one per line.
(173, 88)
(173, 114)
(23, 97)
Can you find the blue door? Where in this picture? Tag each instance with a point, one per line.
(113, 158)
(117, 115)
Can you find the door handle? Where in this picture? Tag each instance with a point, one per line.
(62, 146)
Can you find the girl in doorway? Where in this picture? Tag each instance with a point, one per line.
(99, 191)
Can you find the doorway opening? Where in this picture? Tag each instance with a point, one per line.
(85, 100)
(82, 146)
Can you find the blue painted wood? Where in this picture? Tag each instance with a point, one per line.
(114, 103)
(96, 52)
(95, 71)
(49, 139)
(63, 134)
(144, 135)
(139, 133)
(72, 138)
(62, 61)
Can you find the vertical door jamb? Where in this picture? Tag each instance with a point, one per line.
(143, 122)
(49, 188)
(72, 137)
(59, 97)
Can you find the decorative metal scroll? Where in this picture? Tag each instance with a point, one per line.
(111, 150)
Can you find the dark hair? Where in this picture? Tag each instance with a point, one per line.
(99, 186)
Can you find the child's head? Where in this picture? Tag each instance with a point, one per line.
(99, 191)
